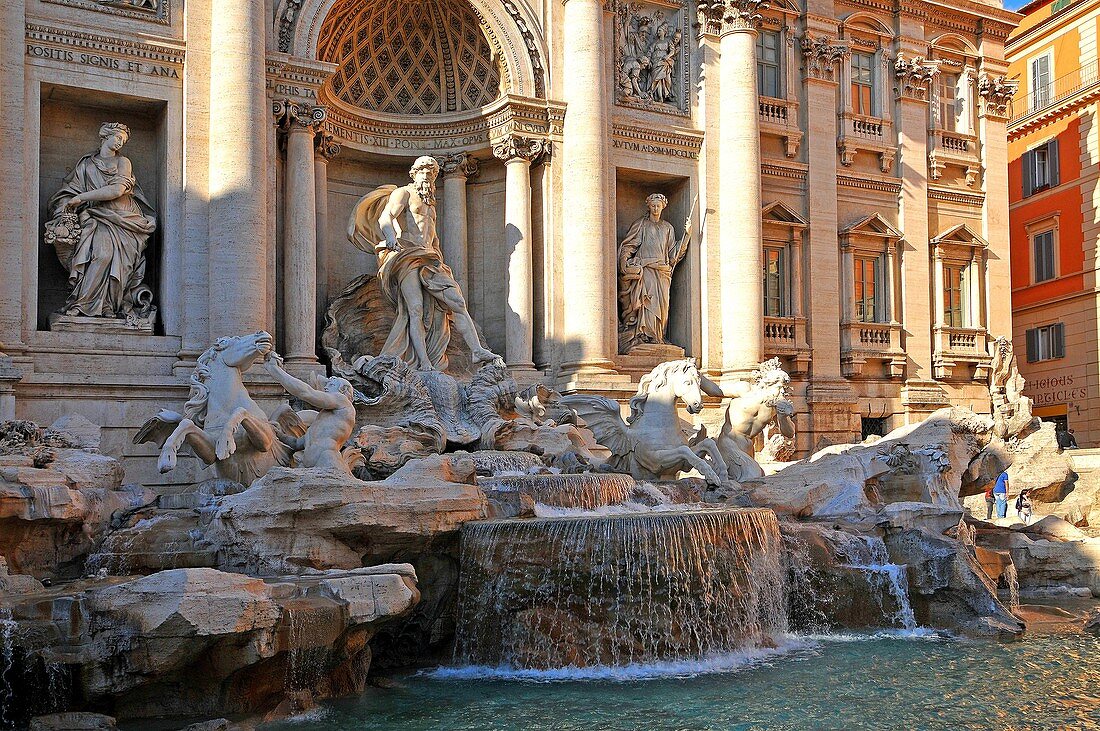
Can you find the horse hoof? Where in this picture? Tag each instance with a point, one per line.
(166, 464)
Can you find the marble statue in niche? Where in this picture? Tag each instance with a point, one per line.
(648, 256)
(398, 224)
(648, 54)
(100, 224)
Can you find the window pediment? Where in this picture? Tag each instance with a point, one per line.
(779, 214)
(873, 233)
(959, 235)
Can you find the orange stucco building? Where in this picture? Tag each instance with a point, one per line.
(1054, 204)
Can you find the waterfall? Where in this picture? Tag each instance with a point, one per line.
(1012, 583)
(887, 580)
(587, 491)
(7, 668)
(619, 590)
(804, 605)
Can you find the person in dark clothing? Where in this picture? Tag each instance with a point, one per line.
(989, 502)
(1023, 507)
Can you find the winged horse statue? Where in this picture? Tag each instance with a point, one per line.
(220, 421)
(650, 444)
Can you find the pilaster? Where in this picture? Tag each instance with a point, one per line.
(325, 148)
(13, 172)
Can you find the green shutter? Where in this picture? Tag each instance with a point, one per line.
(1027, 163)
(1052, 162)
(1058, 340)
(1033, 345)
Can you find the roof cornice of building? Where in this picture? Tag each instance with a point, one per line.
(1066, 16)
(977, 9)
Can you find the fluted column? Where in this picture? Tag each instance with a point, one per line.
(300, 233)
(325, 148)
(238, 164)
(517, 154)
(589, 319)
(738, 22)
(457, 169)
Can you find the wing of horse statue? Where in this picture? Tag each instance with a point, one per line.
(603, 417)
(363, 231)
(158, 428)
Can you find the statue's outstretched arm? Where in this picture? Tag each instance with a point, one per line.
(300, 389)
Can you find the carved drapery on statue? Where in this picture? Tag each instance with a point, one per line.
(398, 224)
(648, 256)
(100, 224)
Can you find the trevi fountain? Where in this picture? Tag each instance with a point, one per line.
(417, 541)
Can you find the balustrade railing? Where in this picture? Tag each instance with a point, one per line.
(1047, 95)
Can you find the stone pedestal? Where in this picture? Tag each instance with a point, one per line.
(102, 325)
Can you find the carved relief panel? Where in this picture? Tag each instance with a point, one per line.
(651, 55)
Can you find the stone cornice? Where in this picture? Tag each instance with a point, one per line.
(633, 138)
(975, 200)
(790, 171)
(869, 183)
(161, 14)
(165, 52)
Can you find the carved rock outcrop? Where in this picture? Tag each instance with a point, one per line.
(199, 641)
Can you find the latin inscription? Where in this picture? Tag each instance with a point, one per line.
(98, 60)
(395, 143)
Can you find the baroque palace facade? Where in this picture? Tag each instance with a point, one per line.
(835, 176)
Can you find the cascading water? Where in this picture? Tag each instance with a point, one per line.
(585, 491)
(888, 580)
(7, 667)
(619, 590)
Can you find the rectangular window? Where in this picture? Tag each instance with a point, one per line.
(869, 290)
(1042, 87)
(1042, 247)
(775, 275)
(768, 63)
(863, 83)
(1040, 168)
(950, 105)
(954, 296)
(1046, 343)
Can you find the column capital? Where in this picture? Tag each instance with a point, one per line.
(459, 164)
(293, 116)
(325, 145)
(519, 148)
(731, 16)
(820, 55)
(996, 93)
(914, 75)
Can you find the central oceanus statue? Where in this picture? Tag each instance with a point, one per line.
(220, 421)
(649, 444)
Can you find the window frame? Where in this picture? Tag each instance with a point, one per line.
(1033, 88)
(879, 293)
(956, 303)
(1055, 333)
(778, 64)
(871, 86)
(781, 280)
(1033, 239)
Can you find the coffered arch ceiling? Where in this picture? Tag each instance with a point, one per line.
(411, 56)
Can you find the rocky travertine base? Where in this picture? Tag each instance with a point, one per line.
(924, 463)
(1050, 555)
(57, 498)
(193, 642)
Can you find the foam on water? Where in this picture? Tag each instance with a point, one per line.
(728, 662)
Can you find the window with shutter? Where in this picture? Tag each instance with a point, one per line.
(768, 63)
(1026, 166)
(1043, 260)
(1052, 163)
(1046, 343)
(1041, 89)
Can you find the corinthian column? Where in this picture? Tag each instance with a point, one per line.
(741, 265)
(238, 164)
(588, 326)
(325, 148)
(517, 154)
(300, 233)
(457, 169)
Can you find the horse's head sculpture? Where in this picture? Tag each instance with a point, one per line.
(680, 377)
(239, 352)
